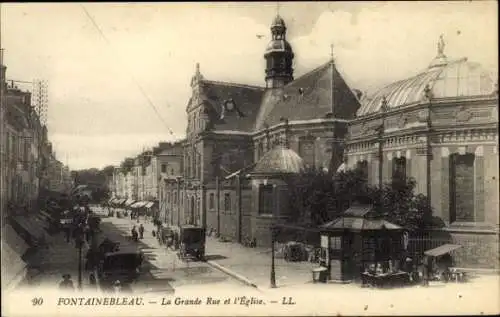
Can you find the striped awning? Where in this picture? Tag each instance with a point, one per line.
(149, 204)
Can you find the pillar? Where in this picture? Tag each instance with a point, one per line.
(445, 184)
(387, 168)
(479, 184)
(419, 170)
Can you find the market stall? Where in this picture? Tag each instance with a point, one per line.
(358, 240)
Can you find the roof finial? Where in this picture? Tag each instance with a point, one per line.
(277, 8)
(197, 68)
(441, 45)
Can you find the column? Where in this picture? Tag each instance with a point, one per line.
(445, 184)
(419, 170)
(387, 169)
(479, 184)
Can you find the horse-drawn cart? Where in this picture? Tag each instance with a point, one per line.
(192, 242)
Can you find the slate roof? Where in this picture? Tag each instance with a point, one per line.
(309, 97)
(247, 100)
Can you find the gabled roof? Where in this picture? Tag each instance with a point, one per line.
(310, 97)
(247, 101)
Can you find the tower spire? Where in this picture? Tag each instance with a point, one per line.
(331, 53)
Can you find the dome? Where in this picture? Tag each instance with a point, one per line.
(280, 160)
(447, 80)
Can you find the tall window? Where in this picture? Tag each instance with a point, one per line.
(306, 151)
(462, 188)
(260, 150)
(164, 168)
(175, 197)
(399, 169)
(227, 202)
(211, 201)
(362, 166)
(266, 199)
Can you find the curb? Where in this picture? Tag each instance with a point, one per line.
(232, 273)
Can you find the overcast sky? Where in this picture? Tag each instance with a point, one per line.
(97, 113)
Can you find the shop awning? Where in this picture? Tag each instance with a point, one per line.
(13, 267)
(139, 204)
(149, 204)
(129, 202)
(31, 226)
(441, 250)
(10, 236)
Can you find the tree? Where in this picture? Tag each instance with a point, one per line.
(316, 197)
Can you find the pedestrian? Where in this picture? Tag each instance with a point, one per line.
(66, 283)
(67, 232)
(117, 286)
(134, 234)
(426, 270)
(92, 280)
(141, 231)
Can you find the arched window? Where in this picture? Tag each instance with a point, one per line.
(399, 169)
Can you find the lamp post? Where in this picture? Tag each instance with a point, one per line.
(273, 238)
(273, 270)
(79, 245)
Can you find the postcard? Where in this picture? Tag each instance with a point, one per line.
(249, 158)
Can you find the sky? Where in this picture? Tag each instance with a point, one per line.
(107, 64)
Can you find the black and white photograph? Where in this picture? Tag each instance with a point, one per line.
(249, 158)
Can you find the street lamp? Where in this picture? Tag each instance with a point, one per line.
(79, 246)
(274, 231)
(273, 271)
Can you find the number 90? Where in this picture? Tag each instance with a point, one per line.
(37, 301)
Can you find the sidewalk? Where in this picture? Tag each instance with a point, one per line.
(254, 264)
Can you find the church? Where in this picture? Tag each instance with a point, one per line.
(439, 126)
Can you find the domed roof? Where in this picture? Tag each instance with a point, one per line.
(280, 160)
(446, 79)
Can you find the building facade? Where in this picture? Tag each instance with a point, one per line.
(231, 128)
(439, 127)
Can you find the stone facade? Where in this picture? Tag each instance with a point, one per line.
(439, 127)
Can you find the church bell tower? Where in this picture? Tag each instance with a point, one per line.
(279, 56)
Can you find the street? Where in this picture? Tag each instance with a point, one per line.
(162, 270)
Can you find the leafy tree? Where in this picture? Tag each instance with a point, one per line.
(316, 197)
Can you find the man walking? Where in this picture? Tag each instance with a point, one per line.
(141, 231)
